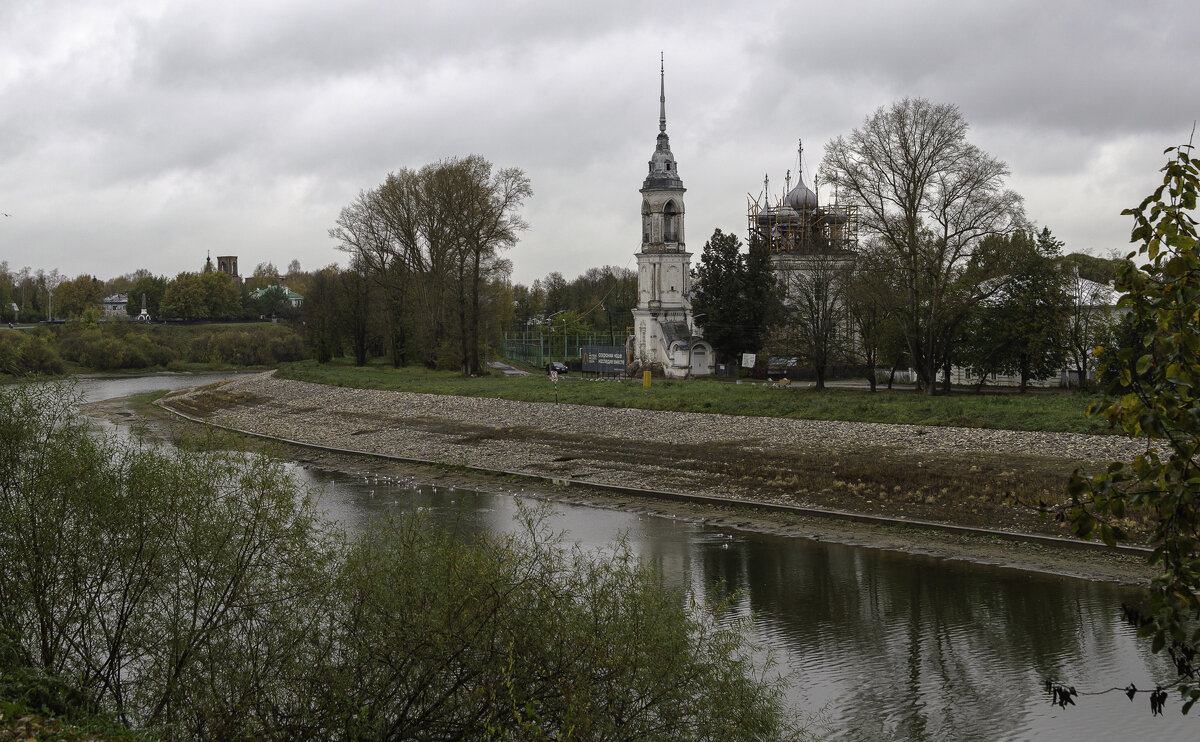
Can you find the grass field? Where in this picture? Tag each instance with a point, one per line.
(1044, 411)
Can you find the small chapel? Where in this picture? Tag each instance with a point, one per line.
(665, 336)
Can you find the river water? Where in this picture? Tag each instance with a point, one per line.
(875, 645)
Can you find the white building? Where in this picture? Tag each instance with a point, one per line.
(665, 333)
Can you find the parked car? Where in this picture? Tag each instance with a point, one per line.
(557, 366)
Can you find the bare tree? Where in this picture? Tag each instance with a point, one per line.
(364, 232)
(930, 197)
(431, 239)
(871, 295)
(1091, 317)
(815, 286)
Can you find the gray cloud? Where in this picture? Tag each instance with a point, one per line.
(141, 135)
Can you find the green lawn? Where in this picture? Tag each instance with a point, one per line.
(1051, 411)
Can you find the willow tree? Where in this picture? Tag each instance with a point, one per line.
(930, 198)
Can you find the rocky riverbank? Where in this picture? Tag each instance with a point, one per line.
(956, 476)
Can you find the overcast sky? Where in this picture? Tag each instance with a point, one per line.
(145, 134)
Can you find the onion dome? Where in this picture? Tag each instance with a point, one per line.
(801, 197)
(776, 214)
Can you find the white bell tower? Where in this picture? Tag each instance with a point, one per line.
(664, 333)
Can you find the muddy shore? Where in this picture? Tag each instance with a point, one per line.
(957, 477)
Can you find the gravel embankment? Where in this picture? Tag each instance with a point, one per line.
(959, 477)
(455, 429)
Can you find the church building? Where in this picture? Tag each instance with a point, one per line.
(666, 337)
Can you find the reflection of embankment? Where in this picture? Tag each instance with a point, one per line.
(953, 476)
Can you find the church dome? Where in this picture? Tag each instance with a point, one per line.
(664, 173)
(801, 197)
(776, 214)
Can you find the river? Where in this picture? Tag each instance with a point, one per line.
(875, 645)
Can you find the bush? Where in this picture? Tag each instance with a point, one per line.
(23, 354)
(199, 592)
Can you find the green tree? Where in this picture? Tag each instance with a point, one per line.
(153, 287)
(222, 299)
(815, 285)
(763, 304)
(320, 314)
(1022, 329)
(185, 297)
(431, 240)
(735, 295)
(73, 297)
(717, 294)
(1091, 320)
(870, 295)
(1154, 397)
(1092, 268)
(272, 301)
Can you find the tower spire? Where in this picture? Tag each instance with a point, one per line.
(662, 94)
(662, 173)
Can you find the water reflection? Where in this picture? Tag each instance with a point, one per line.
(890, 646)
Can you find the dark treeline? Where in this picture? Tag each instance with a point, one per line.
(115, 346)
(204, 294)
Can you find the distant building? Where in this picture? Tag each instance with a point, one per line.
(228, 264)
(665, 333)
(293, 299)
(114, 306)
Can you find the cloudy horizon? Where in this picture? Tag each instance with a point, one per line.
(149, 134)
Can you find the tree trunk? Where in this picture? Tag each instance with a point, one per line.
(927, 377)
(474, 365)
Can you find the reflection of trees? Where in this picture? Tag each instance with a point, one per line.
(920, 648)
(907, 647)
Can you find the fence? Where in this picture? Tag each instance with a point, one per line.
(539, 349)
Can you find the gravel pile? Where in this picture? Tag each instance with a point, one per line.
(424, 426)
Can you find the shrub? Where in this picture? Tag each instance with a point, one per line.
(197, 591)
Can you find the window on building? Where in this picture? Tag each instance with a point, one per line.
(670, 223)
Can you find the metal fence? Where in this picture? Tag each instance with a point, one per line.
(539, 349)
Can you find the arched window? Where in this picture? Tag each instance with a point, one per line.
(670, 223)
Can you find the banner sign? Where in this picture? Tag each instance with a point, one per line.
(747, 360)
(603, 359)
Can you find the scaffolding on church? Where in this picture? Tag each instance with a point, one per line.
(804, 230)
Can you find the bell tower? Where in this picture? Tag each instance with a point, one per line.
(664, 275)
(663, 326)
